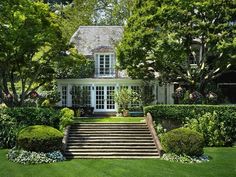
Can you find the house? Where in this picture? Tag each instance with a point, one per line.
(97, 43)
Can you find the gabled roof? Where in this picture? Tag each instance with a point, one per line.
(88, 39)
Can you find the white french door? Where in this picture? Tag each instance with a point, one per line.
(105, 98)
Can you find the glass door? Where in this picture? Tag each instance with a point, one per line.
(105, 98)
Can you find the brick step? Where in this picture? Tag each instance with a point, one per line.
(110, 141)
(110, 132)
(112, 157)
(109, 124)
(107, 129)
(111, 147)
(110, 144)
(74, 137)
(108, 135)
(111, 150)
(111, 154)
(99, 125)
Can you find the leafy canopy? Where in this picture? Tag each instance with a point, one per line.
(30, 41)
(163, 36)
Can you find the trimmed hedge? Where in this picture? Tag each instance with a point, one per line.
(180, 112)
(183, 141)
(40, 138)
(226, 115)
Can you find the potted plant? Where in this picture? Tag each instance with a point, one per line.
(123, 97)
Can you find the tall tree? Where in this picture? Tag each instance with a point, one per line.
(30, 41)
(73, 15)
(112, 12)
(164, 36)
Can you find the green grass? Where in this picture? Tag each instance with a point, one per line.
(111, 119)
(223, 164)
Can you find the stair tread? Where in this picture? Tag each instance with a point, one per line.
(109, 129)
(112, 147)
(110, 141)
(108, 138)
(114, 157)
(112, 150)
(109, 123)
(108, 134)
(111, 153)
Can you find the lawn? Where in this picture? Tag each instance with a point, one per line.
(111, 119)
(223, 164)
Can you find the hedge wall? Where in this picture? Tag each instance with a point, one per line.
(180, 112)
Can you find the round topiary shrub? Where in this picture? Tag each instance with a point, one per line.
(40, 138)
(183, 141)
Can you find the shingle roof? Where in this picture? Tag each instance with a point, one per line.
(89, 38)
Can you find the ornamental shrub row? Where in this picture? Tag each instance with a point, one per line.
(180, 112)
(225, 117)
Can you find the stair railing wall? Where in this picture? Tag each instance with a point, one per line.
(150, 125)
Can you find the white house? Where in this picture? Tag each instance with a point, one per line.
(98, 43)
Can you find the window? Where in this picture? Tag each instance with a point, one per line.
(81, 95)
(105, 65)
(64, 95)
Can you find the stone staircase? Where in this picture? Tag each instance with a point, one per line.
(110, 140)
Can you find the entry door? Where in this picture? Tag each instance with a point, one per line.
(105, 98)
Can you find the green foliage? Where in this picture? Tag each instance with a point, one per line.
(74, 66)
(183, 141)
(13, 119)
(73, 15)
(124, 96)
(167, 37)
(30, 44)
(8, 130)
(66, 117)
(226, 117)
(34, 116)
(146, 95)
(26, 157)
(213, 130)
(112, 12)
(40, 138)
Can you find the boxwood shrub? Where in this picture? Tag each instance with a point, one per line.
(226, 114)
(183, 141)
(40, 138)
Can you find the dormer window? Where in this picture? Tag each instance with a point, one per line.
(105, 65)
